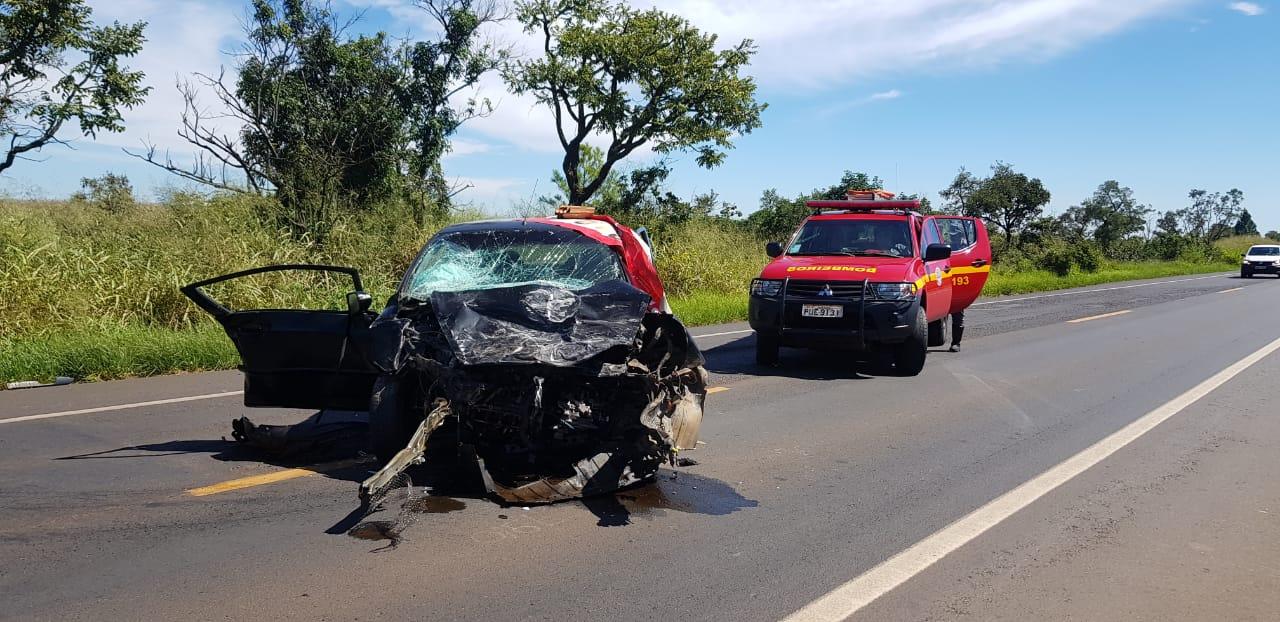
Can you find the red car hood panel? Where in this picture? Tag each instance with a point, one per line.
(842, 268)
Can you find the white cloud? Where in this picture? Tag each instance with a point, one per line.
(183, 37)
(890, 94)
(1248, 8)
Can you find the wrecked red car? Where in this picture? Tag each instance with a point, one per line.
(543, 347)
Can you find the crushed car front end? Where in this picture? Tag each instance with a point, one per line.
(539, 348)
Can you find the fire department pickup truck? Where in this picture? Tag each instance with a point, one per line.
(869, 272)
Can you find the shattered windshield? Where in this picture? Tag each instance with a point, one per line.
(889, 238)
(491, 258)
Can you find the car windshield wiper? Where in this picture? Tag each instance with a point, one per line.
(869, 253)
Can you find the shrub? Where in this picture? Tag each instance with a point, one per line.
(110, 192)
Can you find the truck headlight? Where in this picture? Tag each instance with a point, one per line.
(894, 291)
(767, 288)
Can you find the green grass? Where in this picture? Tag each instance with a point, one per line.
(116, 352)
(710, 308)
(1039, 281)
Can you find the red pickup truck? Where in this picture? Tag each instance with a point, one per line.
(869, 272)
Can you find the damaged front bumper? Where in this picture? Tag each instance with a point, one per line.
(577, 393)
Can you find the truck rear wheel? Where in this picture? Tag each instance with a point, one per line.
(938, 332)
(390, 424)
(766, 349)
(908, 356)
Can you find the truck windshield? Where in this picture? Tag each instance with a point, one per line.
(1265, 250)
(890, 238)
(467, 260)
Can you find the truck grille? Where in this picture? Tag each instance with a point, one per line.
(814, 289)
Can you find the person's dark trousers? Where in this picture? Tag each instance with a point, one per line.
(957, 329)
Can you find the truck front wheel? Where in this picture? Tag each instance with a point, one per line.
(938, 332)
(908, 356)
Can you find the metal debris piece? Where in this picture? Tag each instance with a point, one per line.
(414, 453)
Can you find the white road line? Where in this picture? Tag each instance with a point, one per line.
(731, 332)
(1233, 289)
(1090, 291)
(87, 411)
(1099, 317)
(847, 599)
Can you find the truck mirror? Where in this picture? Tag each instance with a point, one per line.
(773, 249)
(937, 252)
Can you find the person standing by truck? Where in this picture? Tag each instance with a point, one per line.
(957, 329)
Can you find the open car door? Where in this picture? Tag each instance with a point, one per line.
(970, 257)
(297, 358)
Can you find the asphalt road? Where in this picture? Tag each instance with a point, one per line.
(824, 488)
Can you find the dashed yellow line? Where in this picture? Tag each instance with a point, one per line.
(1099, 317)
(1233, 289)
(716, 390)
(272, 478)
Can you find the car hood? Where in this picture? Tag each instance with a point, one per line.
(844, 268)
(1262, 257)
(540, 323)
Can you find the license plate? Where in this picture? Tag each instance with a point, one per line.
(822, 311)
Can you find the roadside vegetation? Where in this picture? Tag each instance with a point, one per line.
(334, 155)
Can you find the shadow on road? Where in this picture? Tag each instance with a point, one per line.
(738, 358)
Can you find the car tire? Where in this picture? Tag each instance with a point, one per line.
(939, 332)
(1246, 274)
(908, 356)
(390, 425)
(766, 349)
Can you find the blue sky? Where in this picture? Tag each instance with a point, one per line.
(1161, 95)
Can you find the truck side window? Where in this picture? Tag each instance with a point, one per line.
(957, 233)
(929, 235)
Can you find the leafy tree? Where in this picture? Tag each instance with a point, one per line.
(1168, 223)
(330, 121)
(41, 90)
(1210, 215)
(1245, 224)
(1273, 235)
(1008, 200)
(778, 216)
(638, 78)
(1110, 215)
(437, 72)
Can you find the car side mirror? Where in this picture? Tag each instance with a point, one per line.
(937, 252)
(358, 302)
(773, 249)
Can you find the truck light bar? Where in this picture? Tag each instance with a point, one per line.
(865, 200)
(863, 205)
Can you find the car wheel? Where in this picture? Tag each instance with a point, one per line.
(390, 425)
(908, 357)
(938, 332)
(1246, 274)
(766, 349)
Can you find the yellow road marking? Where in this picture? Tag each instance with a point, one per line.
(1099, 317)
(716, 390)
(1233, 289)
(271, 478)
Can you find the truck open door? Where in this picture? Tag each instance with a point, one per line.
(299, 358)
(938, 288)
(970, 257)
